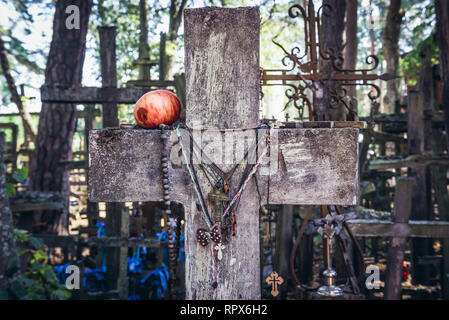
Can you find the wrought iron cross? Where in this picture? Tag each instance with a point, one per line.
(307, 80)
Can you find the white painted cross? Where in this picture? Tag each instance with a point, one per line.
(306, 166)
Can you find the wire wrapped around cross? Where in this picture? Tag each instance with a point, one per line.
(223, 225)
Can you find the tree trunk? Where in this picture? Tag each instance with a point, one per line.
(332, 37)
(30, 133)
(391, 52)
(351, 40)
(8, 250)
(442, 13)
(57, 122)
(176, 12)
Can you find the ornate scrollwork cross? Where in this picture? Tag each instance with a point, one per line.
(307, 80)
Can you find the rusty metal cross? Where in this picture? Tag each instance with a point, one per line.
(306, 80)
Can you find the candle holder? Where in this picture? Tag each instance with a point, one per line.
(328, 226)
(329, 275)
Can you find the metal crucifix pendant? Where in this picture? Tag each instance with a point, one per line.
(219, 247)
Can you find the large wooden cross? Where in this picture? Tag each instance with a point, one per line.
(306, 165)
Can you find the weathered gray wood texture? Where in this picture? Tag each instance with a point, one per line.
(396, 250)
(222, 67)
(307, 168)
(412, 229)
(117, 219)
(91, 94)
(108, 73)
(222, 92)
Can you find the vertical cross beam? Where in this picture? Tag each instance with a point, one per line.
(418, 143)
(116, 217)
(402, 210)
(222, 92)
(108, 73)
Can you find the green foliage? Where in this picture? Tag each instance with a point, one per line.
(17, 177)
(39, 281)
(411, 63)
(418, 23)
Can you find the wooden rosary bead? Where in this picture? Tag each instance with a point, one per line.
(202, 237)
(165, 181)
(166, 186)
(164, 165)
(166, 198)
(164, 170)
(168, 212)
(166, 192)
(216, 234)
(167, 203)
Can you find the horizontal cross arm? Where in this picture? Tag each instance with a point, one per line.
(413, 229)
(306, 166)
(80, 95)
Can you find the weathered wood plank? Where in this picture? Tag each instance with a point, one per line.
(54, 241)
(419, 135)
(434, 116)
(117, 219)
(382, 137)
(91, 95)
(26, 207)
(412, 229)
(125, 242)
(108, 73)
(439, 183)
(222, 92)
(412, 161)
(313, 166)
(395, 255)
(149, 83)
(324, 124)
(306, 167)
(221, 56)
